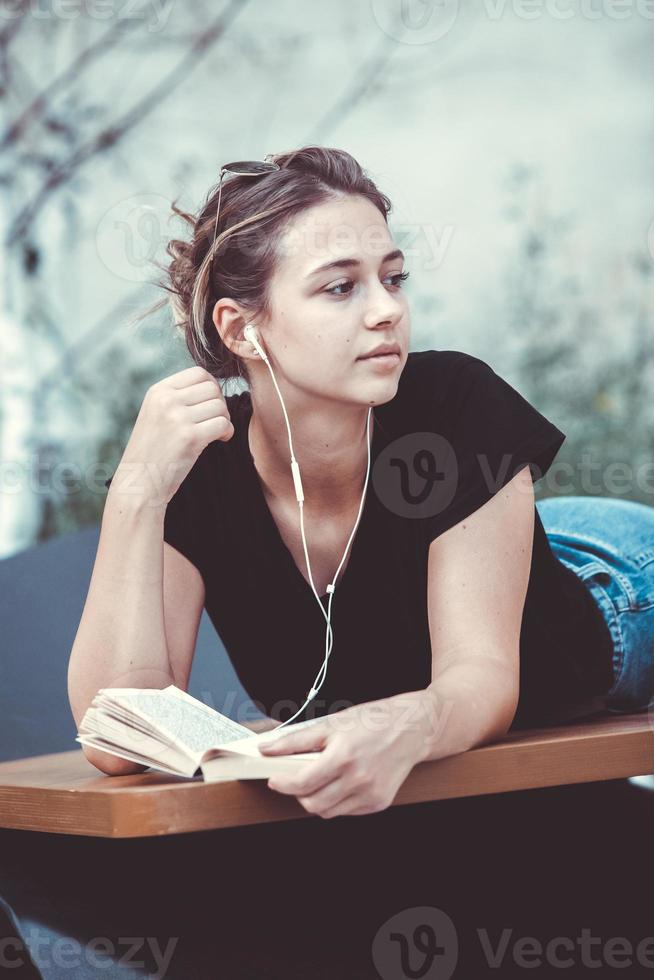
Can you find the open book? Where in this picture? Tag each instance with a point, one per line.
(167, 729)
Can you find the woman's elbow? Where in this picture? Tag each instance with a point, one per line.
(112, 765)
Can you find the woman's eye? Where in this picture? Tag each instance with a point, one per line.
(397, 278)
(339, 285)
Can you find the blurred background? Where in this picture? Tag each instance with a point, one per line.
(514, 138)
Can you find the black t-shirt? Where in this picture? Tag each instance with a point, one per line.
(454, 434)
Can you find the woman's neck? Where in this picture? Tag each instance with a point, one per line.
(332, 453)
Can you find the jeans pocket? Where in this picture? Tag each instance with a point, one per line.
(596, 571)
(621, 588)
(609, 597)
(644, 558)
(632, 631)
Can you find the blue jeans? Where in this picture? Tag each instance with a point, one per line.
(609, 544)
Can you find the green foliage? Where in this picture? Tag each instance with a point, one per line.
(109, 390)
(582, 366)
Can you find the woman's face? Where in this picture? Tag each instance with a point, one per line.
(324, 319)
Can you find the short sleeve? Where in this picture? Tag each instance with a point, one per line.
(181, 528)
(487, 433)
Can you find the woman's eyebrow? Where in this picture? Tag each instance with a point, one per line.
(397, 253)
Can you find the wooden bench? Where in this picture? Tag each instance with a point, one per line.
(63, 793)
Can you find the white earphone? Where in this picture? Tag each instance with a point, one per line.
(251, 335)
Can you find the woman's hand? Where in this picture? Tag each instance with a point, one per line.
(179, 417)
(367, 753)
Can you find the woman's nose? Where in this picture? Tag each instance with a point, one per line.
(383, 305)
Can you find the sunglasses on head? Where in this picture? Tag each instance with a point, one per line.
(240, 168)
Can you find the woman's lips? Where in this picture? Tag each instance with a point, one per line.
(382, 359)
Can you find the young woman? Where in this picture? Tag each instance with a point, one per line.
(460, 608)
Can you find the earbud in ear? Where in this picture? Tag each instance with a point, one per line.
(250, 334)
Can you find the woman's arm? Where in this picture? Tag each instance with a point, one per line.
(121, 639)
(470, 703)
(477, 585)
(261, 724)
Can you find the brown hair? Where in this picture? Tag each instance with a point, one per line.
(253, 215)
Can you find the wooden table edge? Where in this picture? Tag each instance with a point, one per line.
(62, 793)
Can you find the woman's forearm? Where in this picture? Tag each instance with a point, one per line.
(471, 702)
(121, 639)
(264, 724)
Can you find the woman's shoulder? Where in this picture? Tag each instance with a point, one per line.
(427, 363)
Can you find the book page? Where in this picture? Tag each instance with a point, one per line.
(174, 716)
(118, 736)
(99, 743)
(240, 731)
(222, 768)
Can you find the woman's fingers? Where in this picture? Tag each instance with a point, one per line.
(208, 410)
(187, 376)
(202, 392)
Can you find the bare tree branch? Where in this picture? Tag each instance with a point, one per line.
(7, 33)
(357, 91)
(111, 135)
(39, 106)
